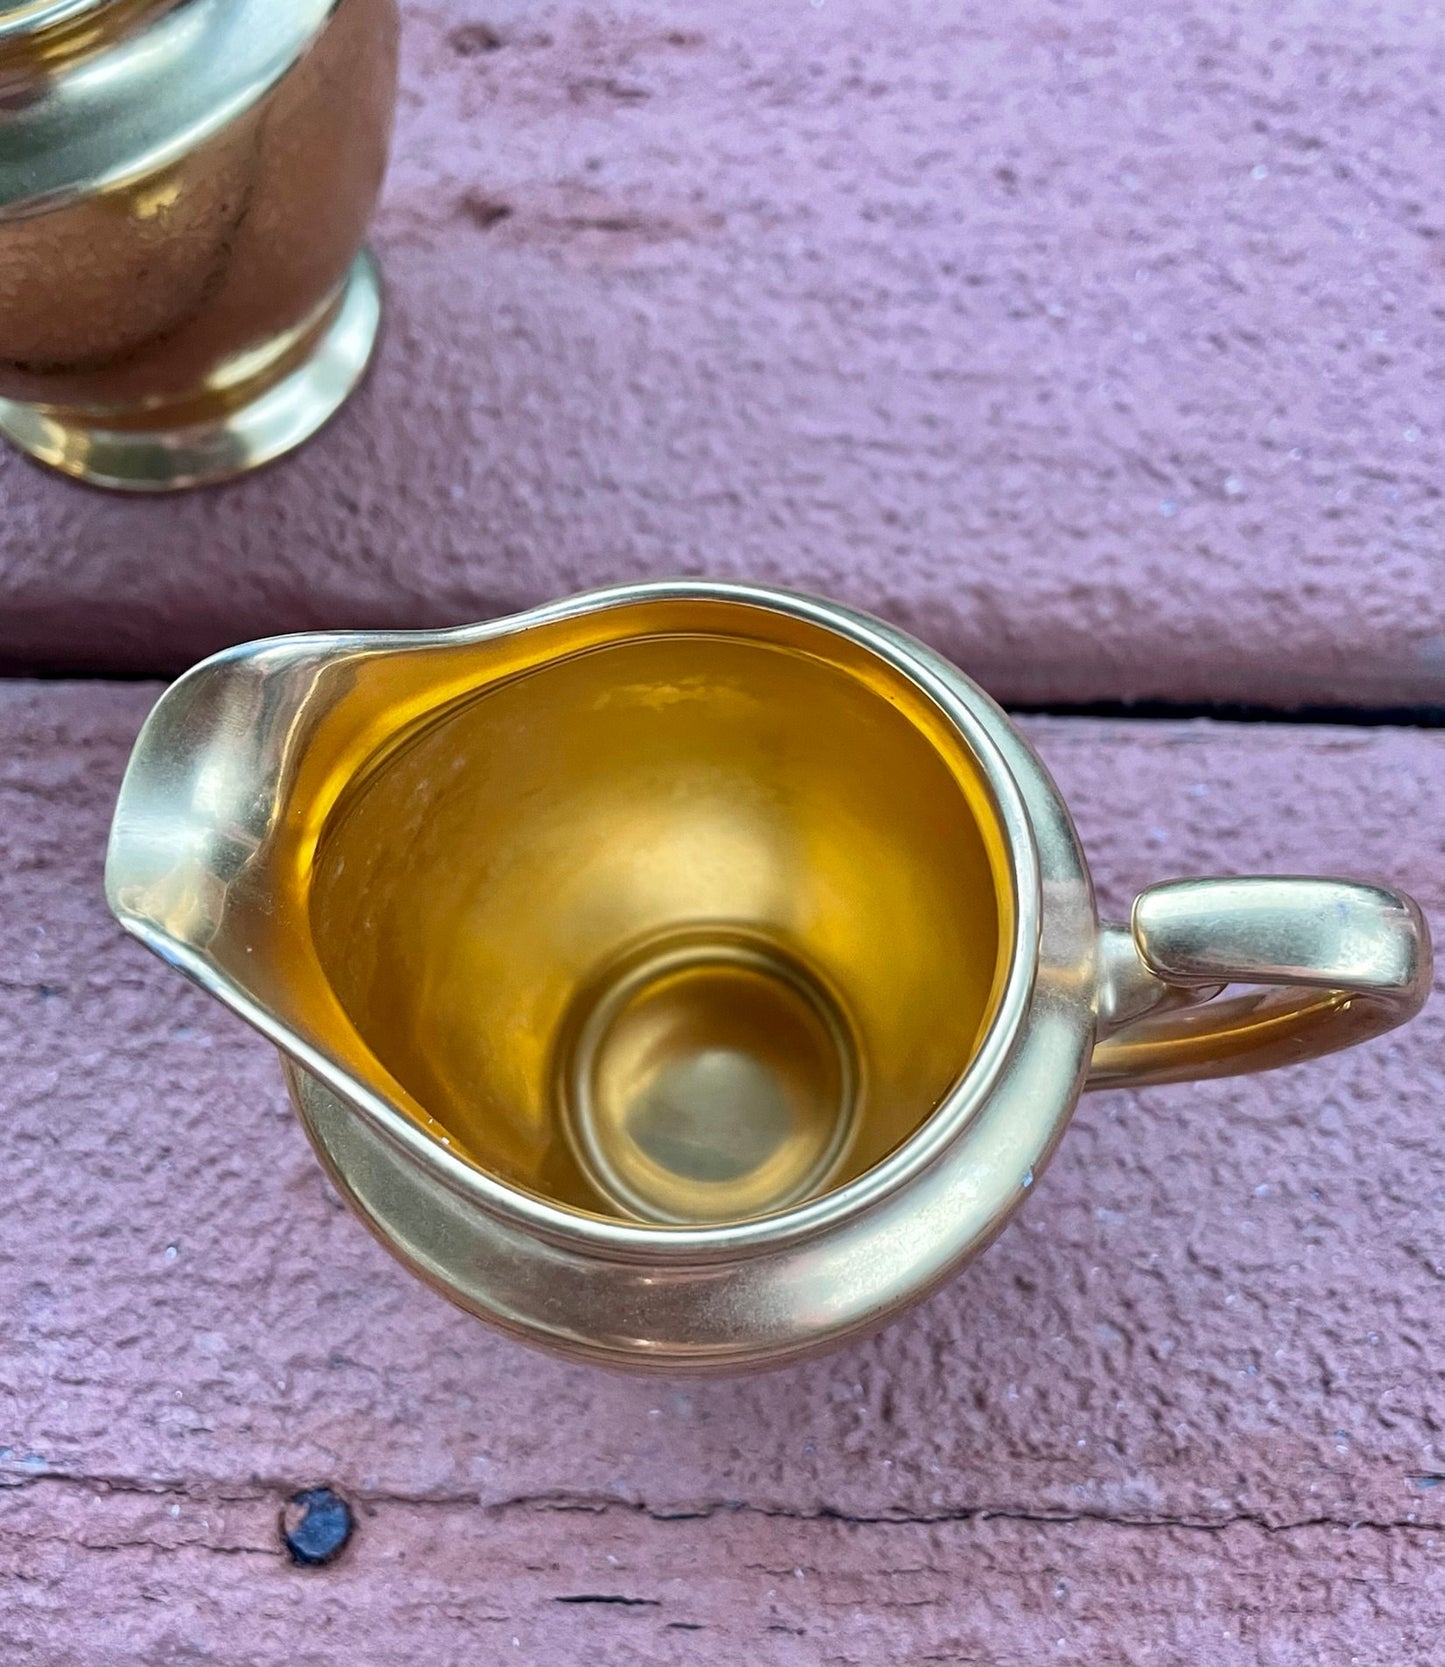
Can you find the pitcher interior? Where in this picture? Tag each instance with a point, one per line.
(684, 927)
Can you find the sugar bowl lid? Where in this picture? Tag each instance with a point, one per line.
(94, 93)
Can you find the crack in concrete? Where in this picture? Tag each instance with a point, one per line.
(146, 1543)
(266, 1491)
(617, 1598)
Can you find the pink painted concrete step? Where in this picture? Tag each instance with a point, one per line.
(1099, 344)
(1187, 1409)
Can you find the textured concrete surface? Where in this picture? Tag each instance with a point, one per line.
(1099, 344)
(1187, 1409)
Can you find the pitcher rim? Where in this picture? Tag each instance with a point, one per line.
(970, 712)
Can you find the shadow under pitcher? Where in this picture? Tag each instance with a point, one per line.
(690, 975)
(185, 187)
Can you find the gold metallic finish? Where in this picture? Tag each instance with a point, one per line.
(184, 189)
(30, 19)
(208, 443)
(689, 975)
(709, 1078)
(1339, 961)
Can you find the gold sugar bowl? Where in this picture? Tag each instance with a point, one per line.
(185, 187)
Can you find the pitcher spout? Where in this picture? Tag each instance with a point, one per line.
(229, 787)
(201, 795)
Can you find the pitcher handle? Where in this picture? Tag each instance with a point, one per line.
(1338, 962)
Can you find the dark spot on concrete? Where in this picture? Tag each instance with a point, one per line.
(605, 86)
(315, 1524)
(684, 1626)
(484, 211)
(604, 223)
(471, 40)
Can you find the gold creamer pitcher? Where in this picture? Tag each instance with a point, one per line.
(690, 975)
(184, 189)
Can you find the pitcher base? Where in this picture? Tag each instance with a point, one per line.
(711, 1077)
